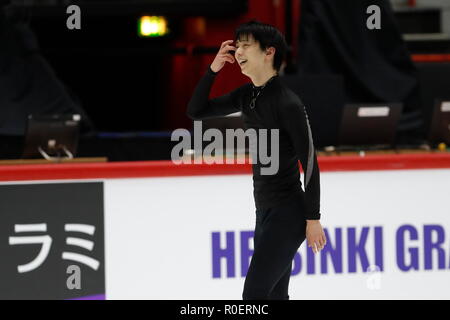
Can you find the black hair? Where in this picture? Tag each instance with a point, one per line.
(267, 36)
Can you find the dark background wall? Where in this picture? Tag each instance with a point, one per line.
(127, 83)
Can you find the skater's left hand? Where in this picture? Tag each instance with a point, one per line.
(315, 235)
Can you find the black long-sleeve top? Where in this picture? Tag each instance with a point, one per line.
(277, 107)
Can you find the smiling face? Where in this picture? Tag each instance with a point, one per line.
(250, 57)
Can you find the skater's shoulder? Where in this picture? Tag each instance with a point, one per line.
(288, 99)
(290, 96)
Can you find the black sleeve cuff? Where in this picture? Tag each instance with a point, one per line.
(315, 217)
(211, 72)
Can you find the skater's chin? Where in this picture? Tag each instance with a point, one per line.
(244, 73)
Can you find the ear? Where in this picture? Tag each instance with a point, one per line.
(270, 51)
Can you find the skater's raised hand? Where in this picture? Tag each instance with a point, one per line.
(223, 56)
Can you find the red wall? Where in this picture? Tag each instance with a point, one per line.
(186, 70)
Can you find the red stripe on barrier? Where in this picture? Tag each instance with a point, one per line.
(143, 169)
(385, 162)
(138, 169)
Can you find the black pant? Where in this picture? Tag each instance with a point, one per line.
(279, 232)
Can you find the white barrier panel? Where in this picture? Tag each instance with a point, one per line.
(191, 237)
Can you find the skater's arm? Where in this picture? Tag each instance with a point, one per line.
(200, 106)
(294, 119)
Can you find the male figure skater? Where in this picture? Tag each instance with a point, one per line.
(285, 214)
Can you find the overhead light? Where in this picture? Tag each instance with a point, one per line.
(152, 26)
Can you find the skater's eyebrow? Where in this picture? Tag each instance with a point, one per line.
(242, 41)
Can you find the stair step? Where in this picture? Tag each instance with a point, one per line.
(426, 37)
(438, 45)
(418, 19)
